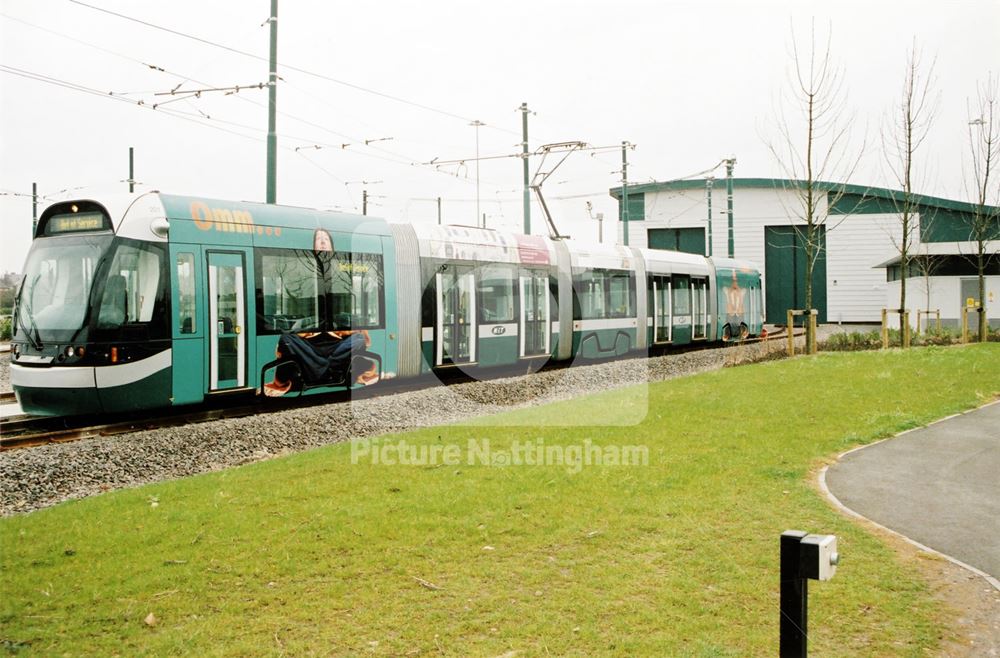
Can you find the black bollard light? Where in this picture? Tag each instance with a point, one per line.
(803, 557)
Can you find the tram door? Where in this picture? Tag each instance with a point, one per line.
(456, 302)
(662, 309)
(535, 332)
(226, 321)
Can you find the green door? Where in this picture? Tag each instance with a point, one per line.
(785, 272)
(188, 323)
(226, 320)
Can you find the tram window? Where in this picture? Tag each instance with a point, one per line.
(57, 281)
(308, 291)
(553, 299)
(496, 294)
(356, 291)
(682, 297)
(621, 298)
(185, 288)
(288, 281)
(133, 294)
(603, 294)
(589, 287)
(428, 305)
(131, 288)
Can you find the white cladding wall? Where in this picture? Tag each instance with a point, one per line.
(946, 295)
(856, 290)
(855, 244)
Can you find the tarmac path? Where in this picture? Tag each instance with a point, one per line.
(938, 485)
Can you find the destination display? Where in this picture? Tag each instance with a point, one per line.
(79, 221)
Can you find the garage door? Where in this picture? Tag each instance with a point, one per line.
(785, 271)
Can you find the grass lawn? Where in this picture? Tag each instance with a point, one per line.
(310, 554)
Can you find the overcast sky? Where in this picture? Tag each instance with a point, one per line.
(687, 82)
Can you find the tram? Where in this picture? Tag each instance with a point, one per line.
(139, 302)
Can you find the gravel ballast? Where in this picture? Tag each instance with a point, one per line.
(38, 477)
(5, 373)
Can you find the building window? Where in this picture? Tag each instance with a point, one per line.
(687, 240)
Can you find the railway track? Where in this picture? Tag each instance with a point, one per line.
(25, 431)
(30, 431)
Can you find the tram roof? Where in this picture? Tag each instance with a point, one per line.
(179, 207)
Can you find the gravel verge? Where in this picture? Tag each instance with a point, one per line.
(34, 478)
(5, 373)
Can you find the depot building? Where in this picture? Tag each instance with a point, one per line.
(857, 272)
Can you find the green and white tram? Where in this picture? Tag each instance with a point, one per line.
(155, 300)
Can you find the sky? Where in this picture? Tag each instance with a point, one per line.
(686, 83)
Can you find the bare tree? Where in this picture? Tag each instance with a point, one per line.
(925, 263)
(983, 185)
(903, 132)
(815, 143)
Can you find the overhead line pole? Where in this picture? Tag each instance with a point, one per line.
(272, 104)
(625, 193)
(34, 209)
(131, 169)
(730, 163)
(524, 155)
(476, 124)
(708, 192)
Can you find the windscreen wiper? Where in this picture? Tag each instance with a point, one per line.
(31, 313)
(18, 315)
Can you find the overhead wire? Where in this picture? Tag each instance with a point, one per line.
(203, 118)
(410, 161)
(38, 77)
(210, 121)
(290, 67)
(168, 111)
(187, 116)
(403, 159)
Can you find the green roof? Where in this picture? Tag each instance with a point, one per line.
(878, 197)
